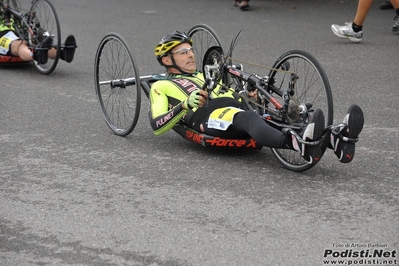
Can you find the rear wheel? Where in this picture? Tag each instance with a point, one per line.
(44, 22)
(117, 82)
(312, 90)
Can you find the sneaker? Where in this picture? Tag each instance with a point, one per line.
(68, 51)
(41, 55)
(312, 132)
(395, 27)
(236, 3)
(343, 140)
(386, 5)
(347, 32)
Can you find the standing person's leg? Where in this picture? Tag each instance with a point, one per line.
(395, 27)
(395, 4)
(363, 8)
(354, 30)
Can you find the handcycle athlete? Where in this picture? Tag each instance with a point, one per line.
(181, 98)
(13, 45)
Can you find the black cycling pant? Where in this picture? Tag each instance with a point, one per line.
(248, 123)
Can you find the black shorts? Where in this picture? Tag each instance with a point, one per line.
(4, 32)
(246, 123)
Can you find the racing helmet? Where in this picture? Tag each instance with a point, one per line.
(168, 42)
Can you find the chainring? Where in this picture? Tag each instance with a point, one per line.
(214, 55)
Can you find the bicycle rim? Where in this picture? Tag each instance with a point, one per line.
(45, 21)
(312, 87)
(203, 38)
(120, 104)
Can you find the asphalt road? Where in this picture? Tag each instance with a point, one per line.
(72, 193)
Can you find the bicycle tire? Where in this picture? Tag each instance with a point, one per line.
(203, 38)
(312, 87)
(46, 20)
(16, 5)
(115, 64)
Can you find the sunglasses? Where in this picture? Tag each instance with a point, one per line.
(183, 51)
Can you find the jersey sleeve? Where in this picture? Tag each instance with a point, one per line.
(165, 111)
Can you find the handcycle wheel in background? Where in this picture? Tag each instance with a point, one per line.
(312, 87)
(117, 82)
(16, 5)
(45, 20)
(203, 38)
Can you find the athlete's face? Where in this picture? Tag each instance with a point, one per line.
(184, 58)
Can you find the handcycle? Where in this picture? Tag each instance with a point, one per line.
(295, 86)
(33, 26)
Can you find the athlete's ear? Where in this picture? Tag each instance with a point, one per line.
(166, 60)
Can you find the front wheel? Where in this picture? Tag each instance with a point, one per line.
(43, 20)
(312, 90)
(117, 82)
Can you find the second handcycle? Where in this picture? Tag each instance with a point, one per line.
(33, 26)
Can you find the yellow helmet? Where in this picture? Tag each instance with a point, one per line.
(168, 42)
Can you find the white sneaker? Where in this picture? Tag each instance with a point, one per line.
(395, 27)
(347, 32)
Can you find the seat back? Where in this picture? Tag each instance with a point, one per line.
(11, 59)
